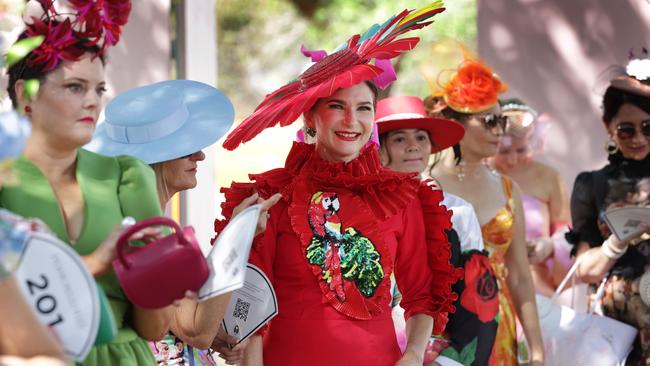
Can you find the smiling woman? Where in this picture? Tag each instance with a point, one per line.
(626, 115)
(343, 122)
(344, 224)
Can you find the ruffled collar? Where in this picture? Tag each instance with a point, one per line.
(629, 168)
(364, 176)
(303, 158)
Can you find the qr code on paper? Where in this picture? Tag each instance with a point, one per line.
(241, 309)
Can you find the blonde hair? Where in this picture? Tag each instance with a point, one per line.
(161, 182)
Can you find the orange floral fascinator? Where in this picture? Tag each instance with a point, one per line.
(471, 87)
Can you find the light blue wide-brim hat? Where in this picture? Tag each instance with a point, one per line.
(163, 121)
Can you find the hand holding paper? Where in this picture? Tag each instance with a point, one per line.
(628, 222)
(265, 205)
(227, 259)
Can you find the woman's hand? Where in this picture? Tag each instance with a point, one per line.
(265, 205)
(100, 260)
(409, 358)
(539, 249)
(228, 349)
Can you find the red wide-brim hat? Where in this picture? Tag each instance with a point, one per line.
(396, 113)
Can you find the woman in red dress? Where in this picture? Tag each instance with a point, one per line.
(345, 223)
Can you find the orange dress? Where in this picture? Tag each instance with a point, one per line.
(497, 237)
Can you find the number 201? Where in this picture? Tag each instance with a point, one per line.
(45, 303)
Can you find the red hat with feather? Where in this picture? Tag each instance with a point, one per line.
(342, 69)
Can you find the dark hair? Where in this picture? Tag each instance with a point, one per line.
(614, 98)
(433, 107)
(23, 70)
(374, 90)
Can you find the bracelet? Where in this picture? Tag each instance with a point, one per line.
(610, 251)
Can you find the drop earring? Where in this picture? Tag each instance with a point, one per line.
(611, 147)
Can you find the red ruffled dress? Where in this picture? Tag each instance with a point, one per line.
(329, 249)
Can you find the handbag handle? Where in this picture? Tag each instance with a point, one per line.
(570, 275)
(600, 293)
(123, 240)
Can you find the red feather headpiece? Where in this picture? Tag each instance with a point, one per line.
(342, 69)
(97, 23)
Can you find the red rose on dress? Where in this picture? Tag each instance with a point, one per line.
(481, 290)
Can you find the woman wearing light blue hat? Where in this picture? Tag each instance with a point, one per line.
(166, 125)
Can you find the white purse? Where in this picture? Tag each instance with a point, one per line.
(581, 339)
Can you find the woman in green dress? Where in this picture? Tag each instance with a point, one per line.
(80, 195)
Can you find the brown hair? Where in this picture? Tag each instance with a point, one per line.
(436, 107)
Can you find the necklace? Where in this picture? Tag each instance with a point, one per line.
(461, 170)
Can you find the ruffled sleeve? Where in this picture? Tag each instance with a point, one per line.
(437, 221)
(412, 271)
(262, 252)
(584, 212)
(136, 190)
(426, 215)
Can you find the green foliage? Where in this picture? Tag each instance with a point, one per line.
(31, 88)
(21, 49)
(466, 355)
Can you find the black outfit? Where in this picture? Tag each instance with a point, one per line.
(592, 193)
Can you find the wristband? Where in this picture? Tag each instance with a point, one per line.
(610, 251)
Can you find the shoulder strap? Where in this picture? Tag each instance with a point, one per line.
(190, 355)
(506, 182)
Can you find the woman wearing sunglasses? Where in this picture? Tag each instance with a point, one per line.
(545, 199)
(471, 98)
(626, 114)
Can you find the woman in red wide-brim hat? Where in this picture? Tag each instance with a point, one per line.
(408, 137)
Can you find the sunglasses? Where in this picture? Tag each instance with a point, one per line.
(186, 156)
(627, 130)
(494, 121)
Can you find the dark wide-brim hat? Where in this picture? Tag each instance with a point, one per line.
(401, 112)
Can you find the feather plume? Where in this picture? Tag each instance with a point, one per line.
(342, 69)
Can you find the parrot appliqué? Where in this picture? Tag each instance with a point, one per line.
(342, 254)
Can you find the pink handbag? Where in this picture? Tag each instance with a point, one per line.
(154, 275)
